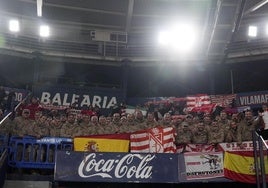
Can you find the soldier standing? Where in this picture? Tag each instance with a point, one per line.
(215, 134)
(232, 134)
(246, 127)
(68, 129)
(200, 135)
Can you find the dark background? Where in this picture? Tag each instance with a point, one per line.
(166, 80)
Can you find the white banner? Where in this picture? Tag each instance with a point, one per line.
(203, 165)
(234, 146)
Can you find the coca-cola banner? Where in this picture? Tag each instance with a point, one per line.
(116, 167)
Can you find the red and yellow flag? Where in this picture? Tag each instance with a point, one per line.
(239, 166)
(102, 143)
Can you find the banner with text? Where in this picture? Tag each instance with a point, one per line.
(252, 99)
(19, 94)
(203, 165)
(116, 167)
(67, 95)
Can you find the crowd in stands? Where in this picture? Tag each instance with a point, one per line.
(39, 120)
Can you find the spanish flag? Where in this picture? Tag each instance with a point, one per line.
(239, 166)
(102, 143)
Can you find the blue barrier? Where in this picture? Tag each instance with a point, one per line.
(29, 152)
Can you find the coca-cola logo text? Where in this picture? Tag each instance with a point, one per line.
(129, 166)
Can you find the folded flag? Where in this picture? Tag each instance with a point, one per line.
(239, 166)
(102, 143)
(155, 140)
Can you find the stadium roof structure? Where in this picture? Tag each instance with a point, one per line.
(109, 32)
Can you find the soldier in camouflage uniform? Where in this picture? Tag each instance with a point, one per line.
(246, 127)
(68, 129)
(123, 124)
(55, 127)
(215, 134)
(232, 134)
(184, 134)
(139, 120)
(6, 127)
(23, 126)
(166, 121)
(177, 122)
(131, 125)
(200, 134)
(149, 122)
(101, 127)
(224, 123)
(207, 121)
(116, 124)
(40, 127)
(40, 130)
(86, 127)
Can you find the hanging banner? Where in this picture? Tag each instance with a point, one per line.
(116, 167)
(252, 99)
(104, 98)
(234, 146)
(239, 166)
(102, 143)
(203, 165)
(19, 94)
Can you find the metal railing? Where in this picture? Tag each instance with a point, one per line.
(259, 145)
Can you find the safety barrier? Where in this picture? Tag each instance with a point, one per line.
(29, 152)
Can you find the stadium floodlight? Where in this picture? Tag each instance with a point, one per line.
(179, 38)
(44, 31)
(252, 31)
(14, 26)
(39, 4)
(164, 38)
(184, 37)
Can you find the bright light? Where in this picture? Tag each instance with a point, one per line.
(14, 26)
(164, 38)
(180, 38)
(44, 31)
(252, 31)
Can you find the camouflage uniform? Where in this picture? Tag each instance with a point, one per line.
(131, 125)
(123, 124)
(184, 135)
(200, 135)
(215, 134)
(224, 123)
(55, 128)
(116, 124)
(232, 134)
(166, 122)
(40, 127)
(149, 122)
(68, 129)
(100, 128)
(139, 120)
(246, 127)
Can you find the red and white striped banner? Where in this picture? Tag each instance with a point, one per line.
(155, 140)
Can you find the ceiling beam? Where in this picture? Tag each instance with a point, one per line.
(256, 7)
(129, 15)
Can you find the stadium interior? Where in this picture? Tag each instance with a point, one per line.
(128, 45)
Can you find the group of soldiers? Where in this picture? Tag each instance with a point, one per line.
(189, 128)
